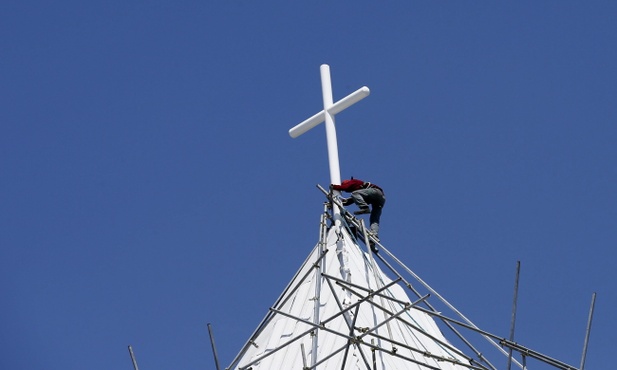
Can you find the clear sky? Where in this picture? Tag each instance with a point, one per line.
(149, 185)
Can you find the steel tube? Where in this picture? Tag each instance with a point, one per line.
(588, 332)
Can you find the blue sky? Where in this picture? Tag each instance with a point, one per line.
(149, 185)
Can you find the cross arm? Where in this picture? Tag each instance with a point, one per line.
(337, 107)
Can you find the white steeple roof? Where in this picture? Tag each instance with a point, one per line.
(365, 319)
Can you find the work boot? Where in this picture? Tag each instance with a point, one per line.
(362, 211)
(346, 201)
(373, 247)
(372, 243)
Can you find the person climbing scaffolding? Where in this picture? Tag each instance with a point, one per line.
(363, 194)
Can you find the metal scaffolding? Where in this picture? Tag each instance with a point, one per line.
(337, 336)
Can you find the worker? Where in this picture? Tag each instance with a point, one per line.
(364, 194)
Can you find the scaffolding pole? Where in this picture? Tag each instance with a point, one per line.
(588, 332)
(133, 358)
(514, 305)
(216, 357)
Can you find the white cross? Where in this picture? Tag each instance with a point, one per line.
(327, 114)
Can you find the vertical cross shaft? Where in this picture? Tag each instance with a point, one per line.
(326, 89)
